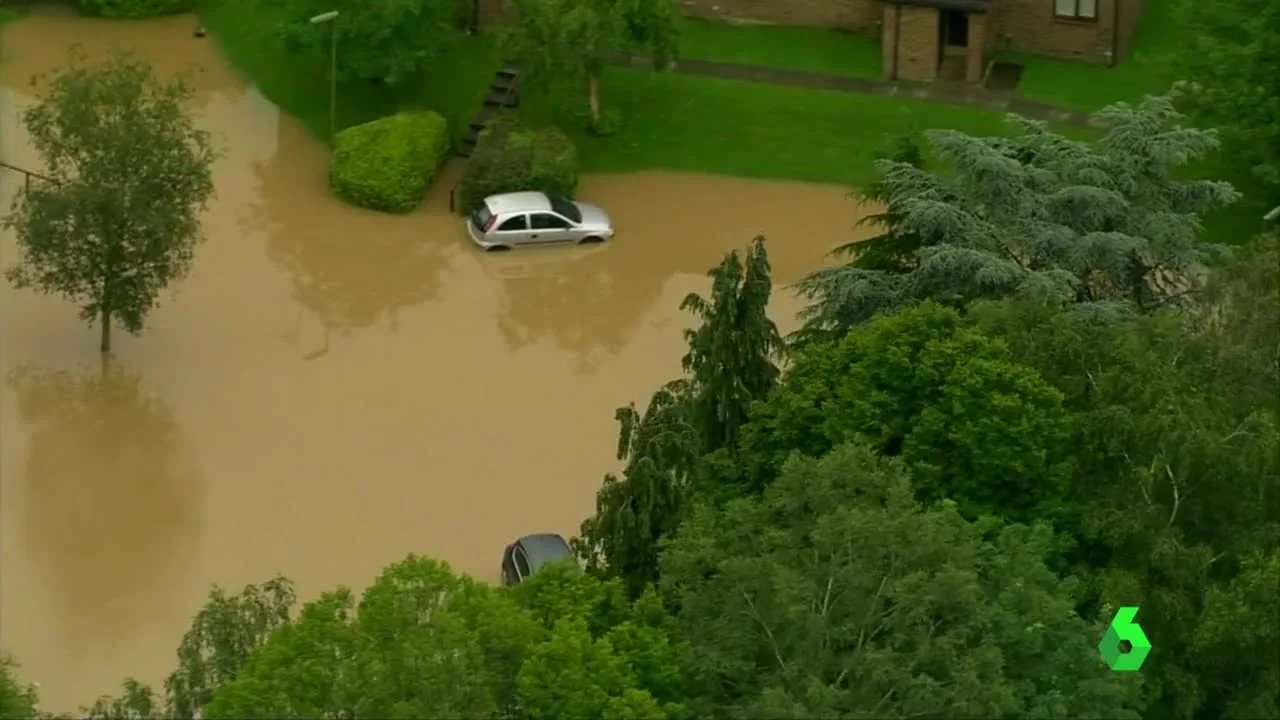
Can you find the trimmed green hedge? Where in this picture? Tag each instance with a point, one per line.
(133, 8)
(511, 158)
(389, 163)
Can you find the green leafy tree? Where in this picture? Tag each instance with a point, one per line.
(604, 657)
(1230, 64)
(388, 41)
(635, 511)
(729, 366)
(972, 424)
(836, 594)
(566, 44)
(222, 636)
(129, 175)
(1177, 454)
(422, 642)
(17, 699)
(731, 353)
(1101, 224)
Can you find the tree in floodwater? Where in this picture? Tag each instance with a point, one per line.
(129, 173)
(729, 365)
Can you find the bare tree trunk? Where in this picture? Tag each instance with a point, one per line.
(106, 332)
(593, 97)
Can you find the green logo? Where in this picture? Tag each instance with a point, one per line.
(1124, 630)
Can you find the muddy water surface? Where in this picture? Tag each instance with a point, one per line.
(330, 389)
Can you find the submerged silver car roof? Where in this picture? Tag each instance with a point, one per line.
(542, 548)
(517, 202)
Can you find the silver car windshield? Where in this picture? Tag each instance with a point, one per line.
(566, 209)
(481, 216)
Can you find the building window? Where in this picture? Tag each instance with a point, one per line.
(1076, 9)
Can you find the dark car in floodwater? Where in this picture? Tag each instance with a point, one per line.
(523, 557)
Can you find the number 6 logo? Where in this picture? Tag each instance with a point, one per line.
(1124, 630)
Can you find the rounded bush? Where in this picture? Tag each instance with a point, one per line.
(133, 8)
(389, 163)
(510, 158)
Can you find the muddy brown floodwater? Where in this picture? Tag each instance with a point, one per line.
(330, 389)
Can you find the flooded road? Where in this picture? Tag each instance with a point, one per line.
(330, 389)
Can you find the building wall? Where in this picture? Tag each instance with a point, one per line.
(1130, 13)
(1029, 26)
(855, 15)
(918, 43)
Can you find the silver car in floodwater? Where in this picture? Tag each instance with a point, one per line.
(519, 219)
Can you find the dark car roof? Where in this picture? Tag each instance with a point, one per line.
(543, 548)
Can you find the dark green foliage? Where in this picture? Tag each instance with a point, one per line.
(728, 367)
(837, 595)
(972, 424)
(634, 512)
(731, 353)
(384, 41)
(17, 699)
(129, 175)
(1105, 225)
(424, 641)
(133, 9)
(1231, 62)
(510, 157)
(388, 164)
(1177, 454)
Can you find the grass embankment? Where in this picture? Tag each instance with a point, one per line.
(818, 50)
(686, 122)
(672, 121)
(299, 84)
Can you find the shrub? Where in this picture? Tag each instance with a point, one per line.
(389, 163)
(510, 158)
(133, 8)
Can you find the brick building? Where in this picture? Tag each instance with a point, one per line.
(953, 39)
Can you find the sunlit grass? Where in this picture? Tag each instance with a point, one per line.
(819, 50)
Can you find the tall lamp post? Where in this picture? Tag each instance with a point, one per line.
(320, 19)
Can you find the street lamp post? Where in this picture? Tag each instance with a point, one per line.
(329, 17)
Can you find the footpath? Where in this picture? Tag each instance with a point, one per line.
(953, 93)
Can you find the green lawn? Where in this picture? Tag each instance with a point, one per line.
(300, 84)
(672, 121)
(819, 50)
(685, 122)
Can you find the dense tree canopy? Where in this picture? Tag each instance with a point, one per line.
(836, 594)
(1106, 224)
(971, 424)
(730, 365)
(1231, 61)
